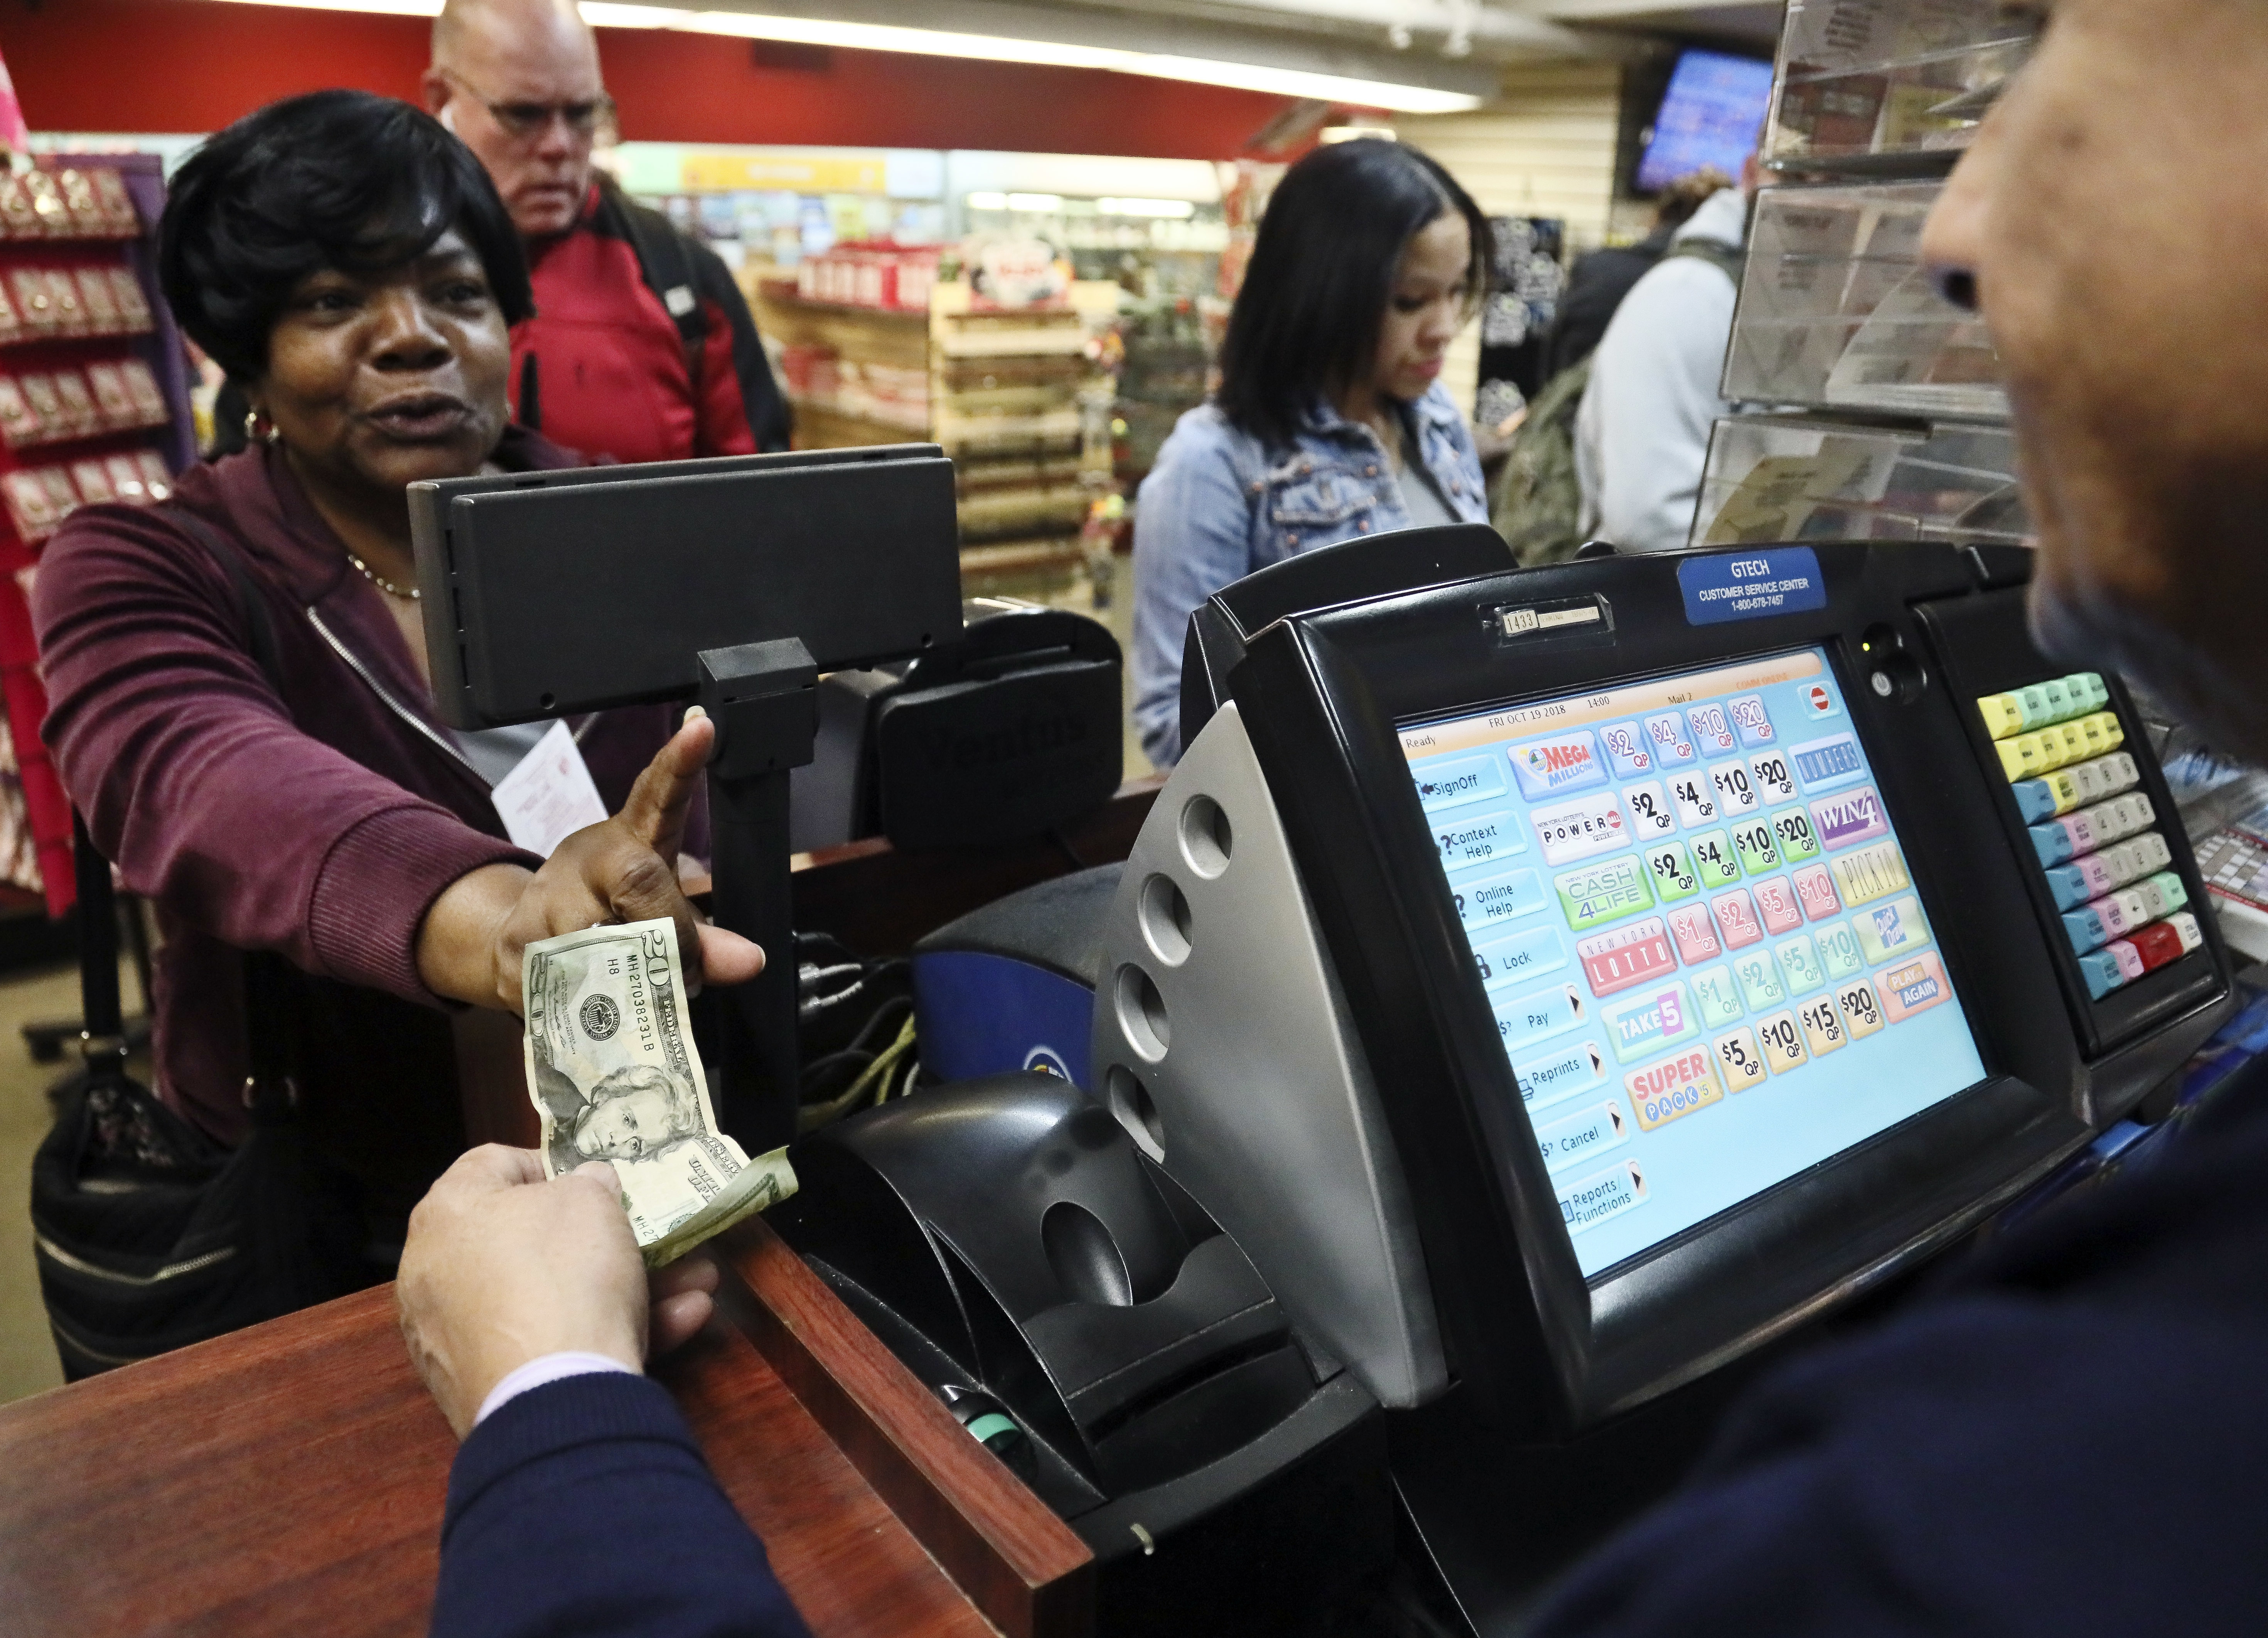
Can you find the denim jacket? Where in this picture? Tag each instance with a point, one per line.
(1219, 504)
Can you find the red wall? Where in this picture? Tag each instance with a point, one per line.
(193, 65)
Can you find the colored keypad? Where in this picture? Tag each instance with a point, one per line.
(2058, 700)
(2080, 785)
(2029, 755)
(2109, 872)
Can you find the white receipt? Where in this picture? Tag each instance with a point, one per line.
(549, 797)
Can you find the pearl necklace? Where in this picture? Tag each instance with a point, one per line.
(380, 582)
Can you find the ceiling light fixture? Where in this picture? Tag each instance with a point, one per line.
(983, 47)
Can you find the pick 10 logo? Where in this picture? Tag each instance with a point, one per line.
(1546, 766)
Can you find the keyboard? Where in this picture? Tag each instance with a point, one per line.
(2109, 869)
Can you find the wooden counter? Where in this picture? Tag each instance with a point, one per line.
(290, 1479)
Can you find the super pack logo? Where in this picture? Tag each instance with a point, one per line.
(1547, 767)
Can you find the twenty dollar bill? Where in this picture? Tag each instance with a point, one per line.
(615, 1073)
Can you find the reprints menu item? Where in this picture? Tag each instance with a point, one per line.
(1709, 965)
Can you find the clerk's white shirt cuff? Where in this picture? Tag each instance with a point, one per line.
(549, 1367)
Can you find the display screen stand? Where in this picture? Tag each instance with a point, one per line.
(763, 698)
(750, 576)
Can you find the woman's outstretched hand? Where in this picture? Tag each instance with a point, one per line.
(623, 869)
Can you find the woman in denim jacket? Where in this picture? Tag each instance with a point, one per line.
(1331, 420)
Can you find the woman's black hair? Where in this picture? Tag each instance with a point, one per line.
(1306, 323)
(335, 178)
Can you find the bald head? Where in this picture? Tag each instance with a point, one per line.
(472, 34)
(518, 80)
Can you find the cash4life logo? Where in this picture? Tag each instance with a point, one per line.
(1570, 762)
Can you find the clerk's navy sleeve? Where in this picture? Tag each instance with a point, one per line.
(2070, 1439)
(583, 1507)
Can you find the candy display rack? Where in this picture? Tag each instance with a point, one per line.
(93, 410)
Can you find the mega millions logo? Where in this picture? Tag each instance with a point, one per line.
(1545, 766)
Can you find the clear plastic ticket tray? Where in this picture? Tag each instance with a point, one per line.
(1783, 478)
(1837, 311)
(1868, 83)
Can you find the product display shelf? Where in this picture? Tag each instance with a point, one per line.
(1887, 87)
(94, 409)
(1870, 406)
(1017, 397)
(1836, 311)
(1792, 478)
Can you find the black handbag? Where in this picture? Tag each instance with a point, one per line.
(147, 1234)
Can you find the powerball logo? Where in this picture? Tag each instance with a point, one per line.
(1544, 766)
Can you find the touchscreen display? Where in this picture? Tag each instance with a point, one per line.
(1691, 914)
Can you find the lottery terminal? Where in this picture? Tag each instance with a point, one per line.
(1536, 999)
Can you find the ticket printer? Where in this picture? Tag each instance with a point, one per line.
(1559, 982)
(1008, 729)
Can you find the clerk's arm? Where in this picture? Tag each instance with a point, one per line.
(582, 1504)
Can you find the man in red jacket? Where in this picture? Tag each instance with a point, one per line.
(641, 347)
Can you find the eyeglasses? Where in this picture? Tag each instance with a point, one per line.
(524, 120)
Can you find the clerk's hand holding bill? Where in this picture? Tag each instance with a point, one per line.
(504, 1267)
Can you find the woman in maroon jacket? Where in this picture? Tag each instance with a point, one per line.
(349, 265)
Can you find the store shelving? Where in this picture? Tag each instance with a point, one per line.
(1836, 311)
(1880, 86)
(1873, 408)
(94, 408)
(1020, 397)
(1790, 478)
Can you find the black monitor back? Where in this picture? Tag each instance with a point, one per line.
(552, 592)
(1369, 566)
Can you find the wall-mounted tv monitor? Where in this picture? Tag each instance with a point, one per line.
(1712, 114)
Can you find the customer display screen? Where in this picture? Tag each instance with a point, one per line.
(1689, 907)
(1712, 114)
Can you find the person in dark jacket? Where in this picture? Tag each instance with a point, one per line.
(1600, 279)
(238, 698)
(579, 1501)
(641, 346)
(2067, 1437)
